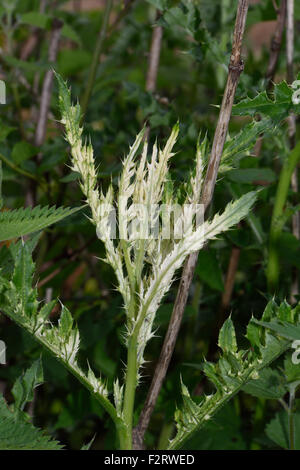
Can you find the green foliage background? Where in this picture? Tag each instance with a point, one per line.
(191, 78)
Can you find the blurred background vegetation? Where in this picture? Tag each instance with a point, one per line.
(230, 276)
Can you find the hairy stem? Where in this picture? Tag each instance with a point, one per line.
(130, 387)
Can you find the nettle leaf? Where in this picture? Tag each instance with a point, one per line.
(234, 370)
(278, 430)
(19, 222)
(25, 384)
(277, 108)
(16, 433)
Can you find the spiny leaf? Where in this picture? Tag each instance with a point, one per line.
(240, 145)
(234, 370)
(227, 338)
(22, 306)
(19, 222)
(24, 385)
(277, 109)
(65, 322)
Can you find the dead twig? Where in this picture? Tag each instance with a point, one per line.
(47, 84)
(273, 60)
(154, 58)
(234, 71)
(153, 63)
(276, 42)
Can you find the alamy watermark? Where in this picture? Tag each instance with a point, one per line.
(2, 352)
(296, 353)
(2, 92)
(146, 222)
(296, 95)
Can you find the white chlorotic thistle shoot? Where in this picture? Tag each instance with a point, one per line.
(143, 257)
(149, 225)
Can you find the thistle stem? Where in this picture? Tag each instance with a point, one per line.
(131, 381)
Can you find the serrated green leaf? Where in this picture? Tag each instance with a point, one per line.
(19, 222)
(18, 434)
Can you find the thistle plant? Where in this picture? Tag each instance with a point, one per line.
(144, 266)
(145, 253)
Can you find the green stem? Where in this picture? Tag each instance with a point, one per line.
(131, 382)
(96, 58)
(272, 271)
(291, 419)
